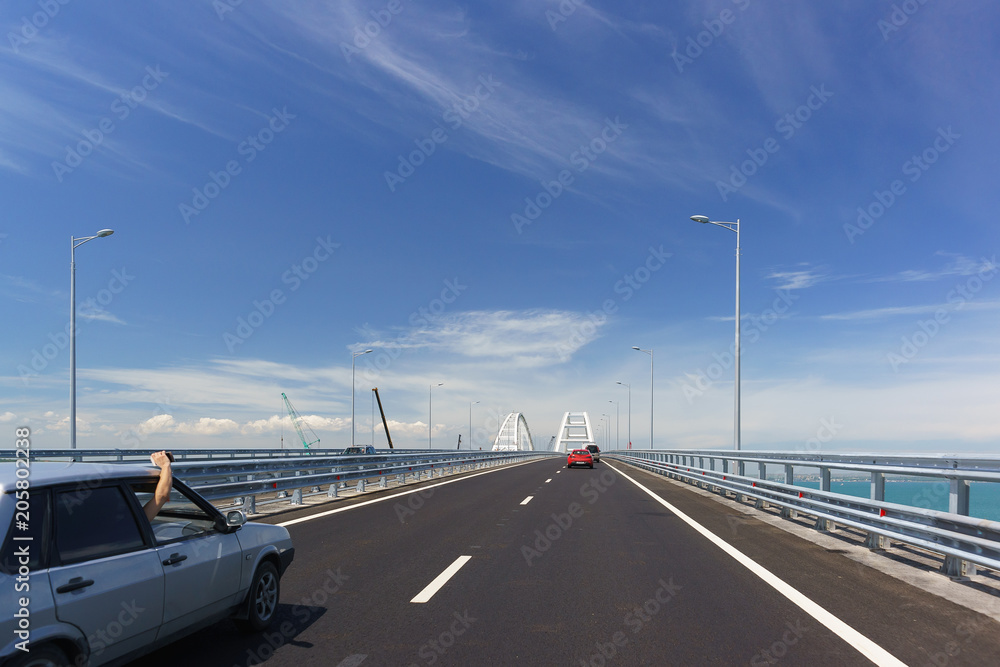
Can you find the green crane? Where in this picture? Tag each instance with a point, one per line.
(296, 418)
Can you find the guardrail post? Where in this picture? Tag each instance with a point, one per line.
(383, 482)
(956, 568)
(824, 479)
(788, 512)
(878, 486)
(250, 505)
(361, 486)
(296, 497)
(958, 496)
(760, 503)
(876, 542)
(825, 526)
(332, 491)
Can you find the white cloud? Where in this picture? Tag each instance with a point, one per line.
(7, 417)
(789, 280)
(522, 338)
(924, 309)
(960, 265)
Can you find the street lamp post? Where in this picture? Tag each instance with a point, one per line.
(733, 227)
(470, 422)
(430, 419)
(618, 423)
(650, 353)
(75, 243)
(354, 355)
(629, 412)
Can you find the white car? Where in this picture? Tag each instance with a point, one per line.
(85, 576)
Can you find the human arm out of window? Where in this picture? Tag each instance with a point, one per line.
(162, 492)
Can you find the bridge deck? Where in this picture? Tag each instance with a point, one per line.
(592, 570)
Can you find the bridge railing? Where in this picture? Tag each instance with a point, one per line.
(961, 539)
(290, 477)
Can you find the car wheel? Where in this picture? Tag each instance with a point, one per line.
(591, 466)
(47, 655)
(263, 598)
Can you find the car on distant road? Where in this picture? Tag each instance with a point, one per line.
(595, 451)
(580, 457)
(367, 449)
(89, 579)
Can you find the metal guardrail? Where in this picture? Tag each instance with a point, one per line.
(292, 475)
(142, 455)
(961, 539)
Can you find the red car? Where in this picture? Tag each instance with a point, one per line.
(580, 457)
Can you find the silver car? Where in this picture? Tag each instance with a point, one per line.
(86, 578)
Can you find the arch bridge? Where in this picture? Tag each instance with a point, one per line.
(575, 431)
(513, 435)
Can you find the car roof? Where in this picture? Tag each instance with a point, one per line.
(48, 473)
(585, 451)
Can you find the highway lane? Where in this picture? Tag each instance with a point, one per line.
(590, 571)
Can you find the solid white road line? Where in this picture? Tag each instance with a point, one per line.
(867, 647)
(352, 660)
(441, 580)
(397, 495)
(527, 500)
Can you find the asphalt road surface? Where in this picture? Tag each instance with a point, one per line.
(550, 566)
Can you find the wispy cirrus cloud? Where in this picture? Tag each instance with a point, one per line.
(798, 279)
(896, 311)
(960, 265)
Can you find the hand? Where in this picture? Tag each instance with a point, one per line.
(160, 459)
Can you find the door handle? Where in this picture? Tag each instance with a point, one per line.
(75, 583)
(175, 558)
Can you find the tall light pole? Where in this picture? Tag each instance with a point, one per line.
(650, 353)
(75, 243)
(430, 419)
(624, 384)
(618, 423)
(733, 227)
(470, 422)
(354, 355)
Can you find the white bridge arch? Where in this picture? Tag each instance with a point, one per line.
(575, 432)
(513, 435)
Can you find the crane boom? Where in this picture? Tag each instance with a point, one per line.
(382, 412)
(296, 418)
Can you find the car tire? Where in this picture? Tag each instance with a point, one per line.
(591, 466)
(46, 655)
(262, 600)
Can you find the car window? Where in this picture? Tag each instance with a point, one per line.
(94, 523)
(179, 518)
(31, 532)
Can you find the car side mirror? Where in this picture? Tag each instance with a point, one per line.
(235, 519)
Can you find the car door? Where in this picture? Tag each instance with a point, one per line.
(106, 580)
(201, 565)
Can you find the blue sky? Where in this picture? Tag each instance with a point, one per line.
(497, 198)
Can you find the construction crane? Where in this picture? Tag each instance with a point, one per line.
(296, 418)
(382, 412)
